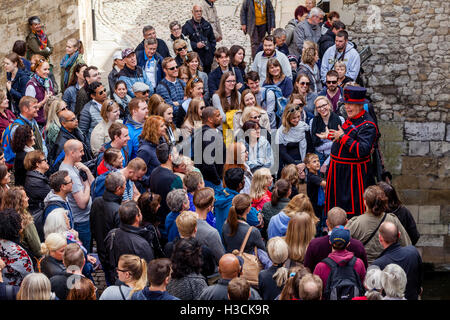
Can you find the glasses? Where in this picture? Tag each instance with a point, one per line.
(304, 83)
(102, 91)
(72, 120)
(297, 108)
(332, 82)
(322, 106)
(66, 183)
(182, 48)
(176, 28)
(117, 269)
(196, 80)
(173, 68)
(42, 160)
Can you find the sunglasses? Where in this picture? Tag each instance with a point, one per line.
(173, 68)
(196, 79)
(331, 82)
(182, 48)
(102, 91)
(304, 83)
(201, 108)
(297, 108)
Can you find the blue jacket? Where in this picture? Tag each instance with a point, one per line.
(286, 86)
(70, 96)
(172, 93)
(171, 226)
(146, 294)
(132, 76)
(18, 87)
(134, 131)
(278, 225)
(222, 207)
(147, 152)
(142, 60)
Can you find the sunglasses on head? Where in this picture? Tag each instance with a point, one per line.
(196, 79)
(296, 108)
(182, 48)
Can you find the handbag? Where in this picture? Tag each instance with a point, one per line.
(252, 266)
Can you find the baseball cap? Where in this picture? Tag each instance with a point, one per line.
(340, 234)
(126, 52)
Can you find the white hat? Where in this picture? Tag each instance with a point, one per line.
(117, 55)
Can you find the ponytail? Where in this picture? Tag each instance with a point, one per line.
(232, 221)
(280, 191)
(240, 204)
(141, 283)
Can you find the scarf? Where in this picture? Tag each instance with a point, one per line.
(261, 4)
(43, 82)
(67, 63)
(295, 134)
(42, 38)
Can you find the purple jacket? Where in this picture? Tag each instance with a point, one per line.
(40, 95)
(320, 248)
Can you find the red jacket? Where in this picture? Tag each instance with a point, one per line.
(323, 270)
(259, 203)
(6, 119)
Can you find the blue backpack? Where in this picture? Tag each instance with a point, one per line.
(7, 139)
(280, 100)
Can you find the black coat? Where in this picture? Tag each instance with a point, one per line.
(407, 220)
(409, 259)
(211, 172)
(62, 138)
(267, 285)
(19, 168)
(326, 41)
(36, 187)
(18, 88)
(197, 32)
(51, 267)
(104, 217)
(128, 239)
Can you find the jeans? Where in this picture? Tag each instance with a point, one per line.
(84, 234)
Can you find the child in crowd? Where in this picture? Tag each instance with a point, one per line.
(295, 174)
(259, 190)
(315, 186)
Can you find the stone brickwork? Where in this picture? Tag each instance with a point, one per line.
(408, 80)
(61, 19)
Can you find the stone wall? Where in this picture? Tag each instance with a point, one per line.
(408, 81)
(61, 19)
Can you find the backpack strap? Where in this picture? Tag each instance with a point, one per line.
(244, 243)
(121, 293)
(375, 231)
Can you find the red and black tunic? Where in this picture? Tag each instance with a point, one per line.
(349, 165)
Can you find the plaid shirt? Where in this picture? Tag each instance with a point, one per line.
(172, 92)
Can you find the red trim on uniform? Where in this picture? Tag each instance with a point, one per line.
(351, 187)
(359, 115)
(357, 150)
(345, 138)
(350, 159)
(351, 147)
(355, 100)
(335, 197)
(361, 191)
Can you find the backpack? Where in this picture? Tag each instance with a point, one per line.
(280, 101)
(343, 282)
(7, 139)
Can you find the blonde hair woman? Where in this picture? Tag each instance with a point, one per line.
(272, 280)
(53, 251)
(35, 286)
(259, 190)
(180, 48)
(299, 234)
(110, 113)
(132, 271)
(279, 223)
(252, 112)
(52, 109)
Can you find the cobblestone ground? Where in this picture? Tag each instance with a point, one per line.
(122, 21)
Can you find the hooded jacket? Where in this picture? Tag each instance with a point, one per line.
(290, 30)
(142, 61)
(341, 257)
(89, 118)
(278, 225)
(134, 131)
(351, 59)
(37, 188)
(53, 201)
(132, 76)
(18, 87)
(222, 206)
(326, 41)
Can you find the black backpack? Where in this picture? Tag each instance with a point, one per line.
(343, 282)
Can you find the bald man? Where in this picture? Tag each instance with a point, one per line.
(310, 287)
(320, 248)
(69, 130)
(406, 257)
(80, 199)
(229, 268)
(201, 34)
